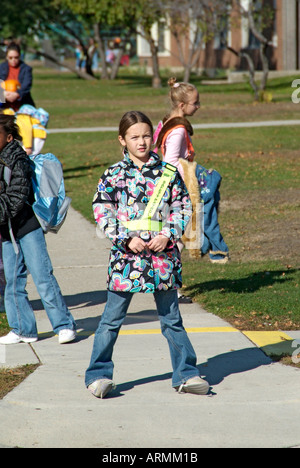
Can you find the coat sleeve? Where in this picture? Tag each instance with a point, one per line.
(14, 196)
(179, 212)
(105, 208)
(3, 71)
(25, 80)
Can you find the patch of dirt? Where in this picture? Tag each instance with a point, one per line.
(273, 230)
(244, 112)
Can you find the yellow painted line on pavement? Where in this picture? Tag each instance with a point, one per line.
(212, 330)
(157, 331)
(146, 331)
(272, 343)
(265, 338)
(152, 331)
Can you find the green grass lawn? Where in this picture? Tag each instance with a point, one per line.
(73, 102)
(251, 296)
(259, 212)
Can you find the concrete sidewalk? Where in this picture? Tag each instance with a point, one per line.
(253, 402)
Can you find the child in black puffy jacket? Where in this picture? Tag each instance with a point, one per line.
(24, 248)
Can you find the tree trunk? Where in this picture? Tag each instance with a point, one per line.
(187, 74)
(251, 70)
(263, 44)
(156, 79)
(101, 50)
(116, 64)
(265, 66)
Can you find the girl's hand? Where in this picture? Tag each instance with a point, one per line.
(11, 96)
(158, 243)
(136, 244)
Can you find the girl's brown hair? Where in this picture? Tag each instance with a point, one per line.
(132, 118)
(179, 91)
(7, 122)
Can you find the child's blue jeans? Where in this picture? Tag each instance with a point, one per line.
(183, 356)
(213, 241)
(32, 256)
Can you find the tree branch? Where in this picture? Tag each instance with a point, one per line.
(251, 67)
(64, 64)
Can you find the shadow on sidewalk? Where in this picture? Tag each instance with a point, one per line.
(247, 285)
(85, 299)
(88, 325)
(215, 370)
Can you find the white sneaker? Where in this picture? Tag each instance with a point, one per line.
(13, 338)
(66, 335)
(194, 385)
(101, 387)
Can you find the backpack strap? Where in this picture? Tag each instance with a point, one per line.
(190, 148)
(145, 223)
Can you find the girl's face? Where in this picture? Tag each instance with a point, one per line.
(4, 138)
(13, 58)
(192, 105)
(138, 140)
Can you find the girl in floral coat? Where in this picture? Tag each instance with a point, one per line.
(143, 258)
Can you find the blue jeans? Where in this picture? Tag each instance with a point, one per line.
(182, 353)
(32, 256)
(213, 243)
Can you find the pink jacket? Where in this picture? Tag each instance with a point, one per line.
(176, 148)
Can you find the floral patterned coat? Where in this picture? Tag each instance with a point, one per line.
(123, 193)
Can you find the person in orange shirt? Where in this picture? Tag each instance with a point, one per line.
(15, 70)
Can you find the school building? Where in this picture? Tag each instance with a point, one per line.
(283, 31)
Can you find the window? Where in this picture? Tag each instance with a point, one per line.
(161, 34)
(223, 36)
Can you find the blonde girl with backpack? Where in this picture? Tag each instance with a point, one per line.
(173, 138)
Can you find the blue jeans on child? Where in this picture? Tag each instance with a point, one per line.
(33, 255)
(213, 241)
(183, 356)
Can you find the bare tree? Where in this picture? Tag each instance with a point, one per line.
(145, 31)
(193, 23)
(259, 17)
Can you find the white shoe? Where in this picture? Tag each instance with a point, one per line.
(101, 387)
(194, 385)
(66, 335)
(13, 338)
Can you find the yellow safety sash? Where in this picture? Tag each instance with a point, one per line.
(145, 223)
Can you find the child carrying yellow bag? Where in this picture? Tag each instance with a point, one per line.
(32, 124)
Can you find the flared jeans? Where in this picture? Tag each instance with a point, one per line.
(183, 356)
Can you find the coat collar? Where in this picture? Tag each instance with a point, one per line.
(153, 160)
(11, 152)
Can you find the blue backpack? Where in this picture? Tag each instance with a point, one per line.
(51, 203)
